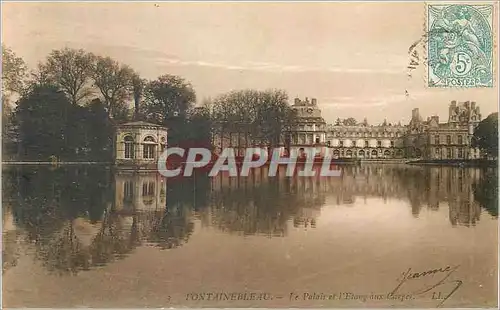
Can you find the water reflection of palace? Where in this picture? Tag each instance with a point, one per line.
(88, 217)
(422, 186)
(139, 191)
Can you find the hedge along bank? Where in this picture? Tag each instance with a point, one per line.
(201, 157)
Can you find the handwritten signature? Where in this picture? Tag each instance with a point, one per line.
(443, 275)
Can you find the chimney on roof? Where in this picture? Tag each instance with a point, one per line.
(313, 101)
(415, 114)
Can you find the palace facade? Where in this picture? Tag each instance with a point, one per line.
(431, 139)
(420, 139)
(310, 130)
(365, 141)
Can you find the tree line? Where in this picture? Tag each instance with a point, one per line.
(67, 106)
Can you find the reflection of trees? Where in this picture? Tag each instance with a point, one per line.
(45, 203)
(10, 239)
(91, 229)
(66, 251)
(67, 216)
(173, 229)
(486, 190)
(62, 252)
(364, 182)
(193, 191)
(251, 211)
(114, 241)
(117, 237)
(248, 207)
(35, 201)
(43, 197)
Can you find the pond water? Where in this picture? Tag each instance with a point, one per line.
(97, 237)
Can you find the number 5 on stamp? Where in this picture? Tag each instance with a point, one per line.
(460, 45)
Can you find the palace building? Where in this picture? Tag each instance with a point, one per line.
(310, 130)
(139, 143)
(420, 139)
(431, 139)
(365, 141)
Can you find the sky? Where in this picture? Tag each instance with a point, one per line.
(352, 57)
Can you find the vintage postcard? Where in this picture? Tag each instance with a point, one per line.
(250, 154)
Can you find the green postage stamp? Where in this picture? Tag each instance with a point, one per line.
(460, 45)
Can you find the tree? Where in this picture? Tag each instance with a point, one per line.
(168, 96)
(43, 122)
(168, 101)
(275, 117)
(13, 72)
(13, 83)
(263, 117)
(199, 127)
(486, 190)
(70, 70)
(113, 80)
(350, 122)
(236, 112)
(99, 132)
(486, 135)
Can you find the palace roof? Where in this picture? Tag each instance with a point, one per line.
(141, 124)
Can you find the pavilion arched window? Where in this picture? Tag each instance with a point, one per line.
(129, 147)
(149, 146)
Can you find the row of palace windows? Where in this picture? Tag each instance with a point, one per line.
(355, 144)
(310, 127)
(460, 139)
(362, 153)
(148, 147)
(449, 152)
(367, 134)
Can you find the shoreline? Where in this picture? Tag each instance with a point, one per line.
(471, 163)
(346, 161)
(48, 163)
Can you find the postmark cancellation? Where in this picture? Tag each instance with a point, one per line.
(460, 47)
